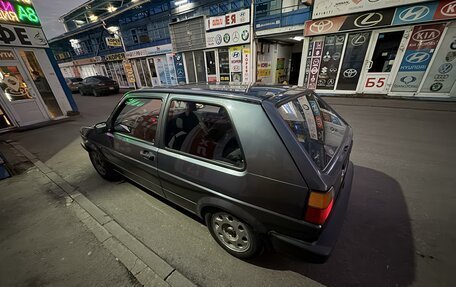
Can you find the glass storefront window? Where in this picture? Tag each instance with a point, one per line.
(210, 63)
(224, 64)
(146, 73)
(13, 84)
(200, 66)
(41, 83)
(385, 51)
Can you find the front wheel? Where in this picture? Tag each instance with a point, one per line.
(102, 167)
(233, 235)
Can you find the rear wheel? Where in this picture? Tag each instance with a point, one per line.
(96, 93)
(102, 167)
(81, 93)
(233, 234)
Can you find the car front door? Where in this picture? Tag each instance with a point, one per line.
(132, 137)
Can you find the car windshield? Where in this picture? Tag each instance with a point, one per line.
(316, 126)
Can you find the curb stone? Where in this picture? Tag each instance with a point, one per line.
(148, 268)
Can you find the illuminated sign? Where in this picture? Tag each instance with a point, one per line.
(113, 42)
(18, 11)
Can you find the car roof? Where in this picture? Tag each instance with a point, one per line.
(249, 93)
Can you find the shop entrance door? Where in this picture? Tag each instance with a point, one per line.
(385, 47)
(18, 92)
(212, 72)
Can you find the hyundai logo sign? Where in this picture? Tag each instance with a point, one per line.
(418, 57)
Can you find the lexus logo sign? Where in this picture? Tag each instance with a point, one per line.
(368, 20)
(414, 13)
(426, 35)
(417, 57)
(449, 9)
(350, 73)
(321, 26)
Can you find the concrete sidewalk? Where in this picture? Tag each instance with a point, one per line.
(43, 243)
(438, 105)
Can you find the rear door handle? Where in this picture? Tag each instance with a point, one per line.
(147, 154)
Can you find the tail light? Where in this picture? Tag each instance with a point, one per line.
(319, 206)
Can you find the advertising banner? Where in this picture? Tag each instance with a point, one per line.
(18, 12)
(179, 66)
(228, 20)
(171, 78)
(352, 64)
(228, 37)
(13, 35)
(315, 64)
(129, 71)
(442, 73)
(246, 65)
(115, 57)
(236, 64)
(328, 8)
(263, 71)
(404, 15)
(330, 61)
(149, 51)
(421, 47)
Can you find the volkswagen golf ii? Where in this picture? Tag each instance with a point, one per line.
(259, 165)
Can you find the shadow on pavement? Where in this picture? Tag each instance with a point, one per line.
(375, 247)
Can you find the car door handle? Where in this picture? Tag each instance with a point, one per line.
(147, 154)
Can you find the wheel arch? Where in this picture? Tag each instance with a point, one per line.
(208, 204)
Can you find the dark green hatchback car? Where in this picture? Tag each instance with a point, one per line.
(260, 164)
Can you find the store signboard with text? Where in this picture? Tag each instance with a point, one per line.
(149, 51)
(179, 66)
(246, 65)
(315, 61)
(418, 55)
(14, 35)
(330, 61)
(236, 64)
(113, 42)
(228, 20)
(18, 12)
(228, 37)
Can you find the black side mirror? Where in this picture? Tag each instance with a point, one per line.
(101, 128)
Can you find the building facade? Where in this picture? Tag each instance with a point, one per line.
(32, 89)
(393, 48)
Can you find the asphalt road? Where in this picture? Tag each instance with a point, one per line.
(399, 228)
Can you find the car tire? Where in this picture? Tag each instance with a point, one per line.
(81, 93)
(95, 93)
(233, 234)
(103, 167)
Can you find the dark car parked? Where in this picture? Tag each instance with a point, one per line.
(258, 164)
(73, 83)
(98, 85)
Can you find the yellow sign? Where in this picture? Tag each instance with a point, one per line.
(113, 42)
(264, 72)
(115, 57)
(129, 71)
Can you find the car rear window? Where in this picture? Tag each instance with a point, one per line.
(316, 126)
(74, 80)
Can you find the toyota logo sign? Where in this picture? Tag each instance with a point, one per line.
(350, 73)
(321, 26)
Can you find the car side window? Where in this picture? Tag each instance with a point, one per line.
(203, 130)
(138, 117)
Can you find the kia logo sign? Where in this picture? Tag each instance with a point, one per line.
(414, 13)
(350, 73)
(426, 35)
(417, 57)
(449, 9)
(321, 26)
(368, 20)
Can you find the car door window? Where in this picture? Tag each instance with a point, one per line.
(138, 117)
(203, 130)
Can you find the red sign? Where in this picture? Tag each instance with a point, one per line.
(425, 37)
(445, 10)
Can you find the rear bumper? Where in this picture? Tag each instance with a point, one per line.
(319, 250)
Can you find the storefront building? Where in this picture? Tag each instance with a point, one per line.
(213, 49)
(30, 82)
(278, 34)
(407, 50)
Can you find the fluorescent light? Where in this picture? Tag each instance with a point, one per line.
(297, 38)
(180, 2)
(111, 8)
(93, 18)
